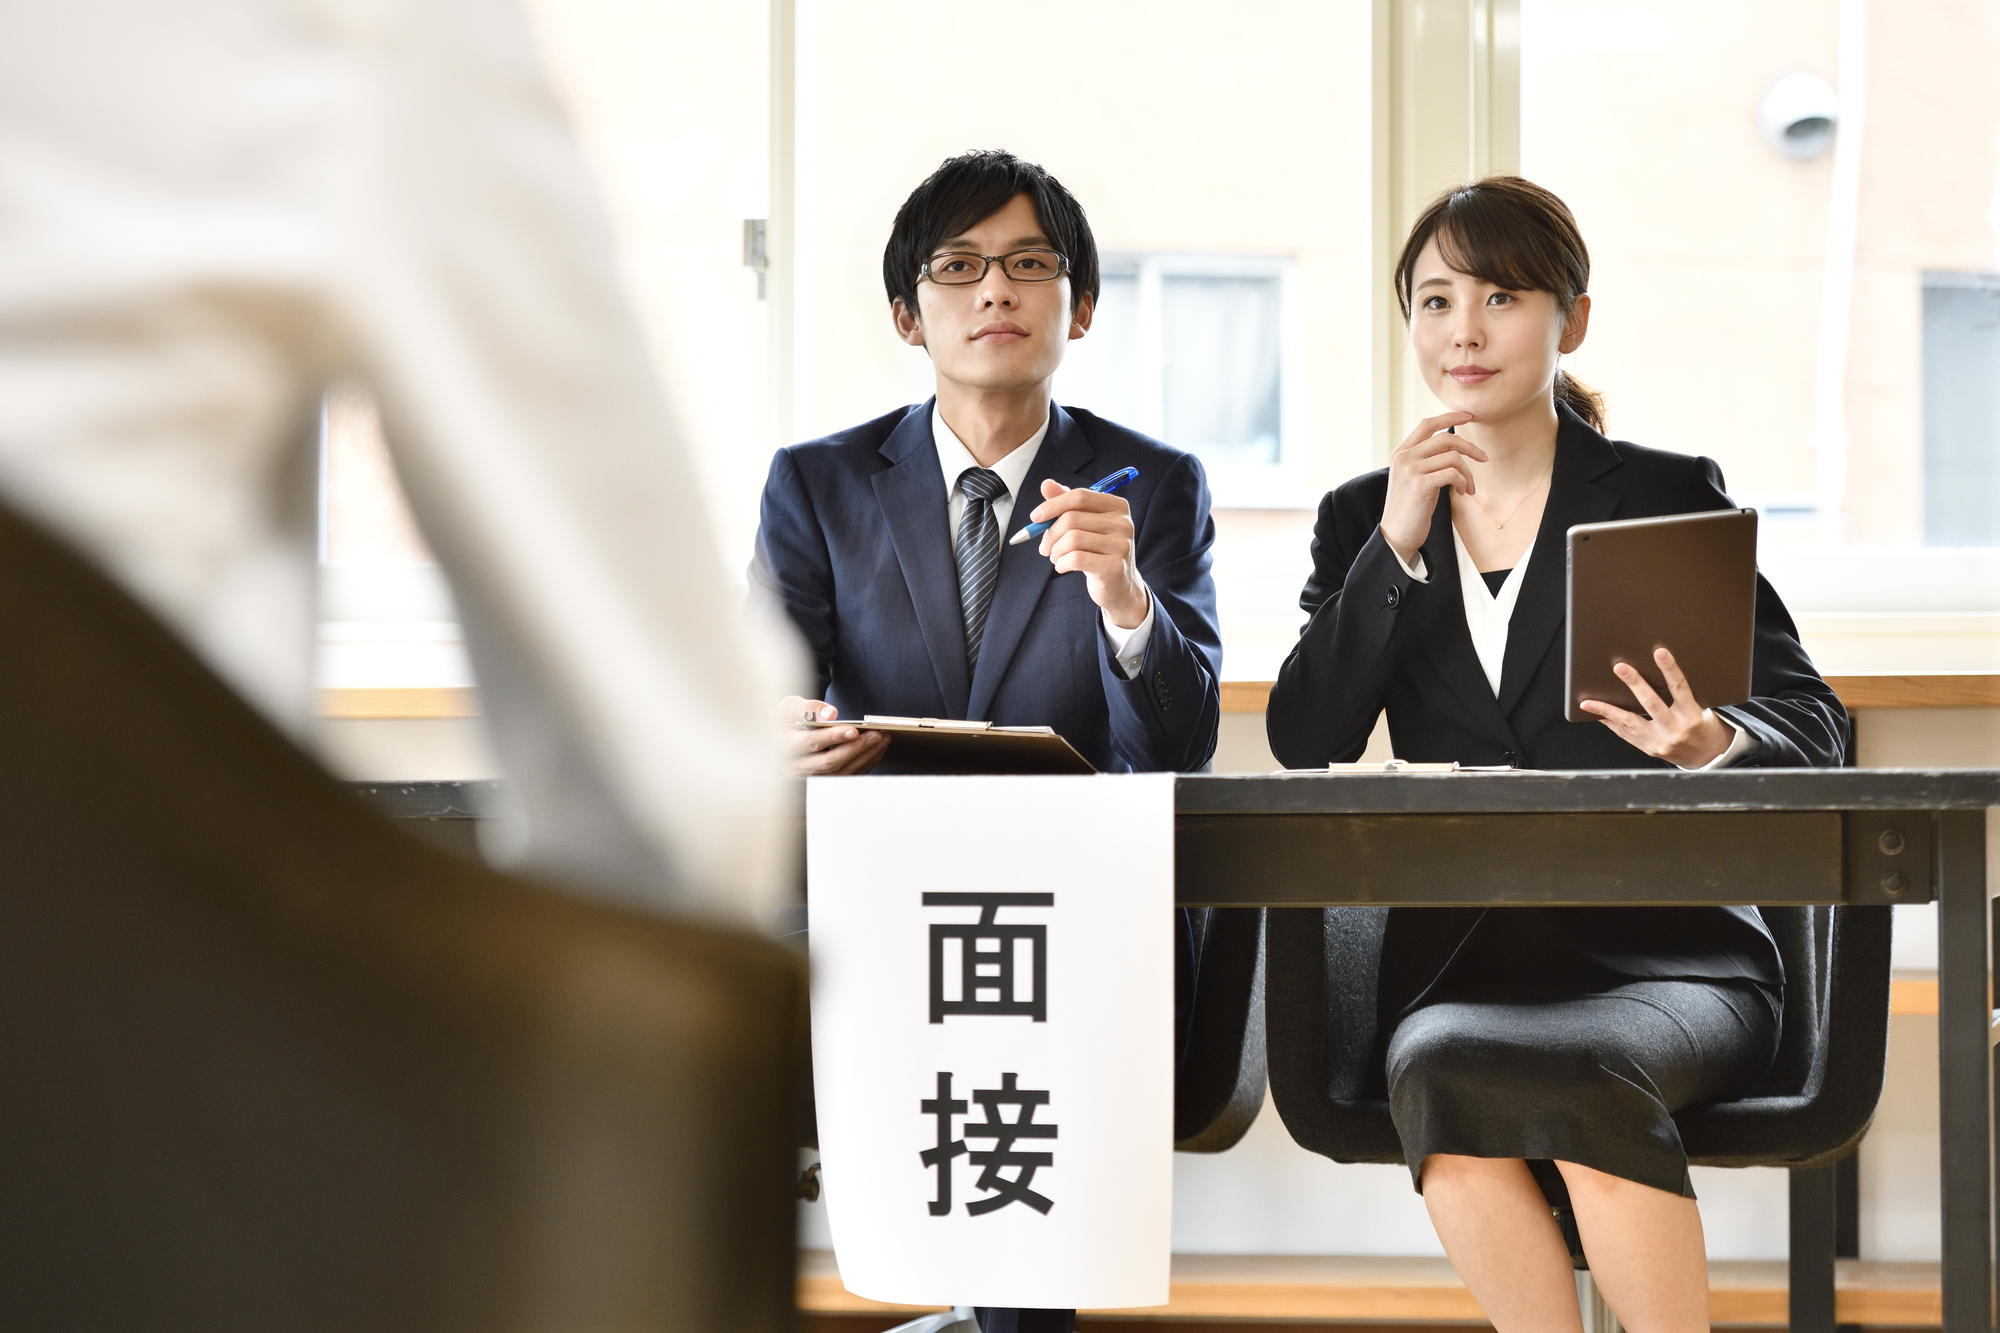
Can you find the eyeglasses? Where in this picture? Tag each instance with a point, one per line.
(959, 268)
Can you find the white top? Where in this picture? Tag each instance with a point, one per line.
(1488, 617)
(1128, 646)
(954, 458)
(211, 209)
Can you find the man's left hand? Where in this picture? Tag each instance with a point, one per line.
(1092, 534)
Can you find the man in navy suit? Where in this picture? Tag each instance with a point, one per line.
(1105, 628)
(886, 542)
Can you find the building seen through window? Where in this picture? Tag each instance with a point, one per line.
(1770, 193)
(1962, 409)
(1192, 349)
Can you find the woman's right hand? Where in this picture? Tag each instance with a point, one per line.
(1428, 461)
(824, 752)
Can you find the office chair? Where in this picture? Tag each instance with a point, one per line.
(272, 1062)
(1810, 1110)
(1219, 1072)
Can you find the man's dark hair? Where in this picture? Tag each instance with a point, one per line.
(975, 185)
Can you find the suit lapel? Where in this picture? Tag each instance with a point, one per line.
(912, 497)
(1582, 455)
(1024, 573)
(1446, 640)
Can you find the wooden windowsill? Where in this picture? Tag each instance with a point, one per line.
(1258, 1288)
(1917, 689)
(1913, 995)
(1909, 689)
(350, 704)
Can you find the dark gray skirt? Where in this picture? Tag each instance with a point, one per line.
(1584, 1068)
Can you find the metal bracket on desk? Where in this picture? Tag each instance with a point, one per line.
(1888, 856)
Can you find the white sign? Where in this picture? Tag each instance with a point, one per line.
(992, 1015)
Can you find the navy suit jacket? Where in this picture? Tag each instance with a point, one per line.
(855, 542)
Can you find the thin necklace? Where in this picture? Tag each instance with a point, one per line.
(1502, 523)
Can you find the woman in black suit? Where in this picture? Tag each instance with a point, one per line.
(1526, 1045)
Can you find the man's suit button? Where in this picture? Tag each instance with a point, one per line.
(1162, 694)
(1391, 597)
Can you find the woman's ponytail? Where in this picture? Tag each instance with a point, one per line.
(1583, 400)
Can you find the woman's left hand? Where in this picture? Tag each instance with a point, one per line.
(1681, 732)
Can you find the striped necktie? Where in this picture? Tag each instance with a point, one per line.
(978, 554)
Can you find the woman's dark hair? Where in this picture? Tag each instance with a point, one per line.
(975, 185)
(1514, 234)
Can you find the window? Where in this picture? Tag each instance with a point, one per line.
(1783, 295)
(1226, 171)
(1194, 350)
(1782, 313)
(1962, 409)
(1761, 295)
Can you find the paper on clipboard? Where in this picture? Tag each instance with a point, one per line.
(942, 746)
(1402, 766)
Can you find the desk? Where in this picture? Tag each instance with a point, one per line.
(1649, 838)
(1643, 838)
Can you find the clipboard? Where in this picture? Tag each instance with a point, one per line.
(940, 746)
(1687, 582)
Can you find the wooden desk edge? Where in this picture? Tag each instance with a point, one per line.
(1921, 689)
(1910, 689)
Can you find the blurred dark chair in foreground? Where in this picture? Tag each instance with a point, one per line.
(272, 1063)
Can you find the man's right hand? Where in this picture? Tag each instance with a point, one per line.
(825, 752)
(1430, 460)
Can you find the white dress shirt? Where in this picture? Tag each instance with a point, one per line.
(1488, 615)
(1128, 646)
(209, 210)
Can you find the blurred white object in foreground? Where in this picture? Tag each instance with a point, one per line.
(209, 210)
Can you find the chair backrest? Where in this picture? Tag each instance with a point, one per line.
(1822, 1089)
(1811, 1108)
(1321, 973)
(1805, 945)
(274, 1063)
(1219, 1074)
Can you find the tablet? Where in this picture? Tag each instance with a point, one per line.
(1686, 583)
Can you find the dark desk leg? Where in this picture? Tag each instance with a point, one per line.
(1965, 1086)
(1847, 1213)
(1813, 1241)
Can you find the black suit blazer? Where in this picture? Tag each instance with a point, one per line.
(1377, 639)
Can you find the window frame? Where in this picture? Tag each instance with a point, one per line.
(1280, 485)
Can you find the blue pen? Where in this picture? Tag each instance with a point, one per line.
(1117, 481)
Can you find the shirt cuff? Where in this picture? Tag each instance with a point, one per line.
(1128, 646)
(1420, 574)
(1739, 745)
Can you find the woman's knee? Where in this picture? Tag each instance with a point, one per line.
(1439, 1059)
